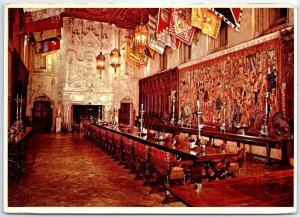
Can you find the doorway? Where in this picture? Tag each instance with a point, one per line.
(124, 114)
(42, 116)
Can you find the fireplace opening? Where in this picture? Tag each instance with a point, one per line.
(85, 114)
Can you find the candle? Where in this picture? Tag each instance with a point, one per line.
(17, 96)
(142, 106)
(198, 105)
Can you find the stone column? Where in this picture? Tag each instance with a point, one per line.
(107, 113)
(67, 116)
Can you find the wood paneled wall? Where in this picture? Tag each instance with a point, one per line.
(155, 94)
(19, 83)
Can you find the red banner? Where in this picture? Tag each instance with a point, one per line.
(163, 25)
(47, 46)
(54, 22)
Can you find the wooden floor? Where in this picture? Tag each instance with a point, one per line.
(66, 170)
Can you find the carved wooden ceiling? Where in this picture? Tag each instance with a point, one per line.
(127, 18)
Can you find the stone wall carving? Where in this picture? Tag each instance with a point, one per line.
(73, 78)
(81, 82)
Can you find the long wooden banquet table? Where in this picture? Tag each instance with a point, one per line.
(267, 142)
(180, 148)
(275, 189)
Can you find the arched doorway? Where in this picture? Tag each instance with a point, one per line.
(42, 116)
(126, 111)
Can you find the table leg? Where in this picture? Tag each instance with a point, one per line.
(283, 152)
(268, 150)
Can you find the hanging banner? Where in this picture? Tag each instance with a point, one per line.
(207, 21)
(44, 13)
(47, 46)
(231, 16)
(154, 44)
(149, 52)
(163, 33)
(47, 34)
(42, 25)
(182, 22)
(132, 58)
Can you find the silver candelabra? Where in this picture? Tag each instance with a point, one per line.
(199, 141)
(142, 111)
(264, 130)
(19, 119)
(99, 121)
(223, 125)
(172, 121)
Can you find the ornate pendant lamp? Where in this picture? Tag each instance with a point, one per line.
(100, 63)
(141, 39)
(115, 59)
(100, 59)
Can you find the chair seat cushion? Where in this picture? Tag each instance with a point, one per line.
(234, 168)
(176, 173)
(291, 161)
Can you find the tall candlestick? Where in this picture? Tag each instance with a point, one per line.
(223, 125)
(199, 141)
(264, 130)
(172, 121)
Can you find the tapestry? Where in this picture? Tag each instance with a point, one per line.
(181, 24)
(163, 33)
(231, 16)
(207, 21)
(232, 87)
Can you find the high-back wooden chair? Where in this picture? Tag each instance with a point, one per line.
(237, 163)
(167, 168)
(142, 157)
(129, 155)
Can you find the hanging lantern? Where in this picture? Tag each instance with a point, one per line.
(141, 37)
(100, 62)
(115, 59)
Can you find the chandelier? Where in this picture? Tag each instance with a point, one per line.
(141, 37)
(100, 63)
(115, 59)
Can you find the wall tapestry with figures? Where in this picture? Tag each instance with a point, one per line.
(236, 81)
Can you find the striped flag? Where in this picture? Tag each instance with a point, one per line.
(155, 44)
